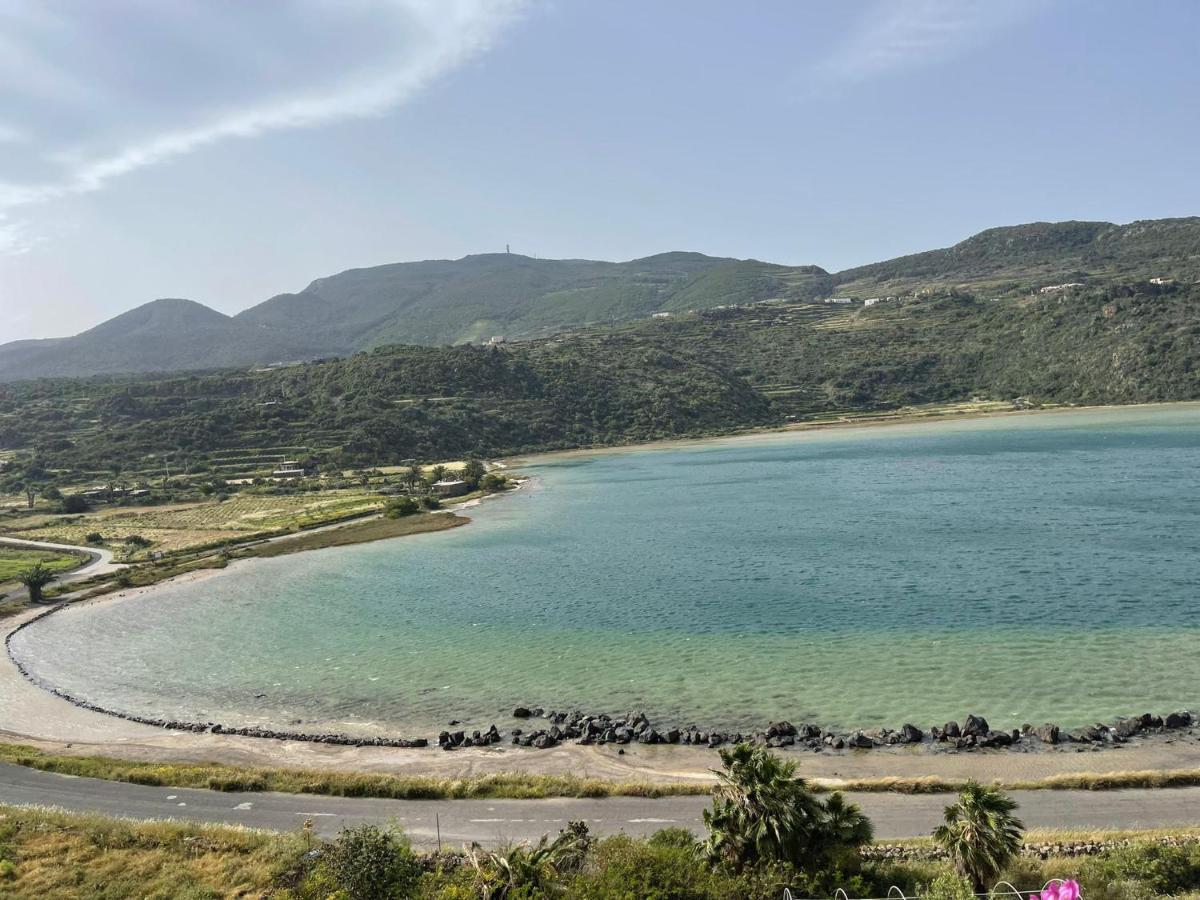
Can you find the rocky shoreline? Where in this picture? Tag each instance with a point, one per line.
(636, 728)
(973, 734)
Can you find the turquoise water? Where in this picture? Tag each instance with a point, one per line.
(1028, 568)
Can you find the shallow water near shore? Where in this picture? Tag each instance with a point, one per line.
(1034, 568)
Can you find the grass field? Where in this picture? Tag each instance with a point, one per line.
(14, 561)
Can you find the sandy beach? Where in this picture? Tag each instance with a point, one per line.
(907, 417)
(32, 716)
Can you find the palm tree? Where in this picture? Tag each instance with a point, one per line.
(527, 871)
(760, 810)
(980, 834)
(34, 579)
(843, 831)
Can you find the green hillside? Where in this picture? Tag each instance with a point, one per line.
(476, 298)
(693, 374)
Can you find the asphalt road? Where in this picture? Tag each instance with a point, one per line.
(492, 822)
(98, 560)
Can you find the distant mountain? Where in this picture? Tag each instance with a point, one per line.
(472, 299)
(163, 335)
(477, 297)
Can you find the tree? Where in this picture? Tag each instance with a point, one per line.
(530, 871)
(74, 504)
(35, 578)
(980, 834)
(492, 482)
(472, 471)
(412, 476)
(437, 473)
(400, 507)
(762, 811)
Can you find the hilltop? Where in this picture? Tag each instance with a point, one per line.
(470, 300)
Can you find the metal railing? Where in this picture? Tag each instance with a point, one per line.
(897, 893)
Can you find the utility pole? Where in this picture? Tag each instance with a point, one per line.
(506, 249)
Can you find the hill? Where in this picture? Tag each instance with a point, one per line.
(710, 372)
(430, 303)
(469, 300)
(163, 335)
(1024, 256)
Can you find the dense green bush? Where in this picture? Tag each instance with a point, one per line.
(368, 863)
(401, 506)
(1143, 869)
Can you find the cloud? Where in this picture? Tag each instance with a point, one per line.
(903, 34)
(126, 85)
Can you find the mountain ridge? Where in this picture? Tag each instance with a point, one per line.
(479, 296)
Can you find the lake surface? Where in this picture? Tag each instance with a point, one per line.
(1033, 568)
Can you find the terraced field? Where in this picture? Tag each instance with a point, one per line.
(187, 526)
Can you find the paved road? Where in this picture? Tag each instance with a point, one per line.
(99, 560)
(495, 821)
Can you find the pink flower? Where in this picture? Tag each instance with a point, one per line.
(1066, 890)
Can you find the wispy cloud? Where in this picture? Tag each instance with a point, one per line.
(209, 73)
(900, 34)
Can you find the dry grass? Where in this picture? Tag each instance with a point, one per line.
(67, 855)
(1078, 781)
(513, 786)
(220, 777)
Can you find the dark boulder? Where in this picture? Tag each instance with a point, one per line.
(975, 726)
(521, 712)
(996, 739)
(859, 741)
(781, 729)
(1088, 734)
(911, 734)
(1180, 719)
(952, 730)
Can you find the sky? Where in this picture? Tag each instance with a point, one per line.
(227, 151)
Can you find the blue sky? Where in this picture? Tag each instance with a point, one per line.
(227, 151)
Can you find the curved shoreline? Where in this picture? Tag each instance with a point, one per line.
(867, 422)
(589, 729)
(353, 741)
